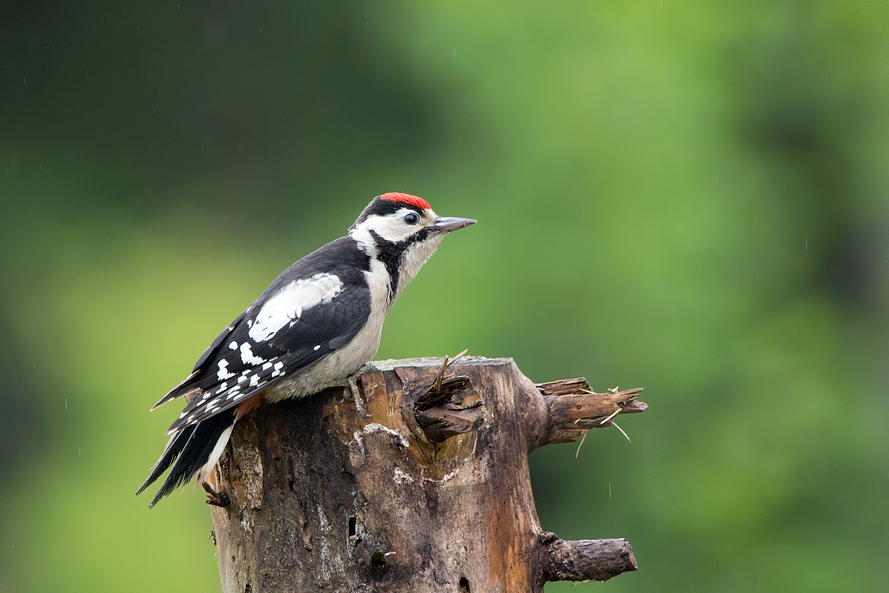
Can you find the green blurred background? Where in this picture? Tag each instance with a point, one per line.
(690, 197)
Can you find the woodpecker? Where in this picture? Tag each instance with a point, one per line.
(314, 327)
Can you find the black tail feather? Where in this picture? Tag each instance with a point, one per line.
(174, 448)
(190, 448)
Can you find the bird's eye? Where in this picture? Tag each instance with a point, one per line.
(411, 218)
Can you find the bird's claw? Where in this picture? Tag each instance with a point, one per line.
(352, 392)
(214, 498)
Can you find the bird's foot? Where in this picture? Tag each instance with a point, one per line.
(352, 391)
(214, 498)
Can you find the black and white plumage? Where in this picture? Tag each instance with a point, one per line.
(314, 327)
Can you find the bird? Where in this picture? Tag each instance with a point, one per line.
(316, 326)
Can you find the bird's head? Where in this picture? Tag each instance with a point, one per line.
(402, 231)
(403, 218)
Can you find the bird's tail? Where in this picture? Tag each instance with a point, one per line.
(192, 450)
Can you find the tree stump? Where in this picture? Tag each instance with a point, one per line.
(431, 493)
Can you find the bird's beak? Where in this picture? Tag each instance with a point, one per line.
(446, 224)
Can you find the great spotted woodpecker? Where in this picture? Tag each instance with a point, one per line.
(314, 327)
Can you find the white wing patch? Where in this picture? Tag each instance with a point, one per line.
(287, 306)
(247, 356)
(223, 372)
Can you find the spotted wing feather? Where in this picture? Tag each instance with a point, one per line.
(241, 367)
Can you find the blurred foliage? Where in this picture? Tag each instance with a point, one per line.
(690, 197)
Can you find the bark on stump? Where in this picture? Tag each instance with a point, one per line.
(431, 493)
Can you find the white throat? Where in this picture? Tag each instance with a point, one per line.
(414, 257)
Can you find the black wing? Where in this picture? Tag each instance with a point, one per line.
(237, 365)
(241, 373)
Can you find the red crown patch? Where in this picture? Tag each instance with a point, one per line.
(406, 199)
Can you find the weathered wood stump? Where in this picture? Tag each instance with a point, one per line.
(431, 493)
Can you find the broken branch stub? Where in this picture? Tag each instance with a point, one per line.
(431, 493)
(572, 408)
(585, 559)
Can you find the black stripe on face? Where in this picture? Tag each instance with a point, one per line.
(391, 253)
